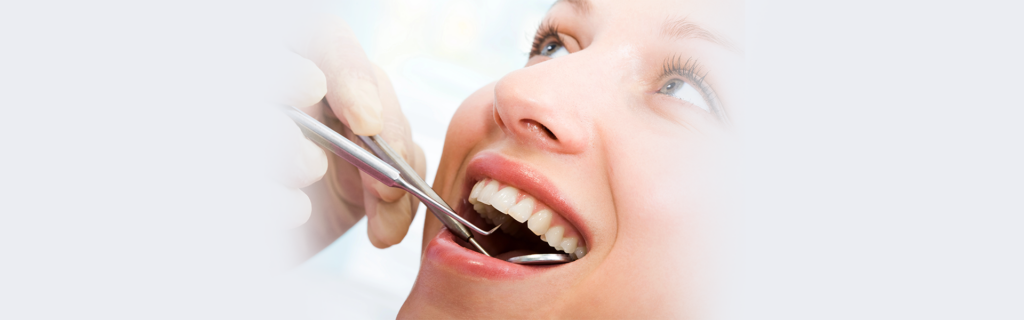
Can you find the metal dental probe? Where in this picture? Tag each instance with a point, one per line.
(404, 178)
(366, 162)
(384, 151)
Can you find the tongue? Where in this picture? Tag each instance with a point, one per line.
(514, 253)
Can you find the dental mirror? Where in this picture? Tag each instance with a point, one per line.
(541, 258)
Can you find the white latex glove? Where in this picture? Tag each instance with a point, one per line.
(331, 79)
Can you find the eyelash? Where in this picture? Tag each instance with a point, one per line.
(691, 70)
(544, 32)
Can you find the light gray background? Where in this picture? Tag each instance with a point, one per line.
(882, 159)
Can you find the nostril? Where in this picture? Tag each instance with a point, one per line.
(536, 126)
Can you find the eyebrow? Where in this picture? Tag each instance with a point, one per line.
(679, 28)
(581, 6)
(674, 27)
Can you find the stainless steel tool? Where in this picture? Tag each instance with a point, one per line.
(384, 151)
(541, 258)
(393, 171)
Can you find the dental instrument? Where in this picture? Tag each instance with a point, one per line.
(367, 163)
(384, 151)
(541, 258)
(405, 178)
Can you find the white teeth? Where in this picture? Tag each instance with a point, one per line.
(522, 210)
(487, 192)
(476, 192)
(539, 222)
(499, 206)
(568, 244)
(580, 252)
(554, 236)
(504, 199)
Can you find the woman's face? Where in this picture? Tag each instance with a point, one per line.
(611, 141)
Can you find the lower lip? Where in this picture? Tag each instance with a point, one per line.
(442, 251)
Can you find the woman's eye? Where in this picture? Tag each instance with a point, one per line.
(553, 50)
(684, 91)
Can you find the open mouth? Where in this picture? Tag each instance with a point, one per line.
(528, 226)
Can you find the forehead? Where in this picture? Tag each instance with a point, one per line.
(721, 19)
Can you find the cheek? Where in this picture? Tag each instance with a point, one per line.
(471, 122)
(666, 226)
(669, 196)
(469, 125)
(678, 186)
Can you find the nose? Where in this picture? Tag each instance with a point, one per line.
(542, 106)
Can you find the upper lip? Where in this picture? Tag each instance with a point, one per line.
(492, 165)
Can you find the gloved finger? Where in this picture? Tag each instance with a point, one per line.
(304, 83)
(297, 208)
(397, 133)
(351, 84)
(387, 222)
(378, 190)
(344, 179)
(301, 162)
(420, 161)
(311, 164)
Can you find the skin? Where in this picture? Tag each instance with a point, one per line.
(653, 167)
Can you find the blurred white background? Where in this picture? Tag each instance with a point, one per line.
(882, 163)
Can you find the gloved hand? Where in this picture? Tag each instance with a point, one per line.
(331, 79)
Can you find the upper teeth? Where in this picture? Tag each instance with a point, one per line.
(496, 203)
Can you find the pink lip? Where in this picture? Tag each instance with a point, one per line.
(442, 251)
(488, 164)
